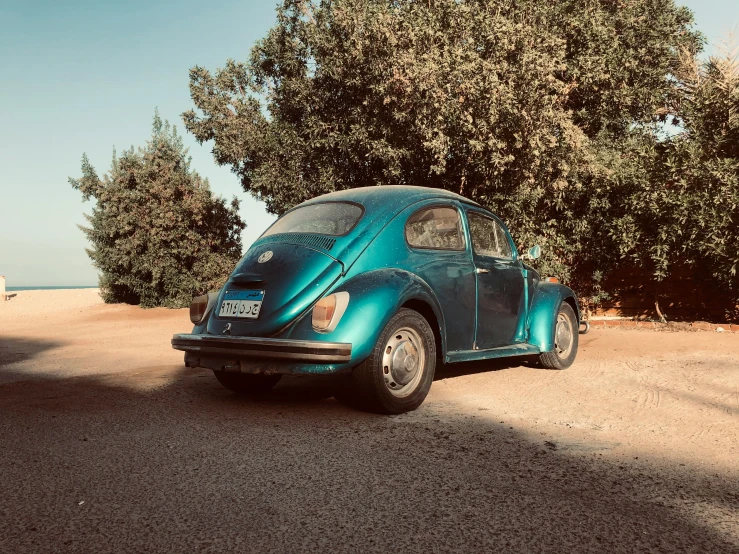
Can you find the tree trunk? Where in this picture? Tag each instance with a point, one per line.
(656, 303)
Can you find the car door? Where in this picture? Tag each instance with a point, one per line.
(500, 285)
(439, 255)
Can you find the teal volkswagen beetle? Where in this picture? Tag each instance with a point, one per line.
(382, 284)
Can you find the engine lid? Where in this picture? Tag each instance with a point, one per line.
(271, 286)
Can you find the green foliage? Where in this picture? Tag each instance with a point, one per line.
(159, 236)
(682, 206)
(546, 112)
(703, 165)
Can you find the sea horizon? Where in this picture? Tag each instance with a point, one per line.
(46, 287)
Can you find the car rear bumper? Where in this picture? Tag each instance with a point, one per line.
(264, 348)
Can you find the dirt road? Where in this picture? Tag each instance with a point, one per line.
(110, 445)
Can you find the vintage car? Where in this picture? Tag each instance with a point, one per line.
(382, 284)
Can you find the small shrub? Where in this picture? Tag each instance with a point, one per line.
(159, 236)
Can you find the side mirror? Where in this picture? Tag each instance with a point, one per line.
(534, 253)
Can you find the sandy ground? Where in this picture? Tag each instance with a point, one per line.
(110, 445)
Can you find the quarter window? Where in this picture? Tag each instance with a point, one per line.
(488, 238)
(438, 228)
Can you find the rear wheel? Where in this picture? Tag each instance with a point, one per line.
(565, 340)
(247, 383)
(398, 374)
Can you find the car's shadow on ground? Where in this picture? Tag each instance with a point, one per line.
(307, 389)
(304, 389)
(450, 371)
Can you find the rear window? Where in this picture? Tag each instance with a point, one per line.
(329, 218)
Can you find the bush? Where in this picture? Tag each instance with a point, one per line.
(159, 236)
(702, 167)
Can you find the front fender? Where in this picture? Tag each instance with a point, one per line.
(545, 303)
(374, 297)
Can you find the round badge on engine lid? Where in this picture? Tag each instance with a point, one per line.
(265, 257)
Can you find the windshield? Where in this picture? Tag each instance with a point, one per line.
(328, 218)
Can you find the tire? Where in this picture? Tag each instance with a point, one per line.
(397, 375)
(247, 383)
(565, 340)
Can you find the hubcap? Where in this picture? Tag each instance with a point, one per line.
(563, 336)
(403, 362)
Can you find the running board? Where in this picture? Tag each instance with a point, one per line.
(500, 352)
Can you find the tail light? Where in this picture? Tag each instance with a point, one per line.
(328, 311)
(551, 280)
(201, 306)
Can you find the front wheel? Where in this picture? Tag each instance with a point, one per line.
(247, 383)
(565, 340)
(397, 375)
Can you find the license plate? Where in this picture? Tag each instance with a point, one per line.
(242, 303)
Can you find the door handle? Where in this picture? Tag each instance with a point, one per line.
(481, 270)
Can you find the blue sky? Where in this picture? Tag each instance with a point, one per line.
(86, 75)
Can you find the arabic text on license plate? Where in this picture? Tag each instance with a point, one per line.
(241, 303)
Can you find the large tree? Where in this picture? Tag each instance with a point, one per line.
(522, 105)
(159, 236)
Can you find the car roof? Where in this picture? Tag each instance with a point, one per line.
(396, 195)
(381, 204)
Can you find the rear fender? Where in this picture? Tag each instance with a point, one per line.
(374, 297)
(545, 303)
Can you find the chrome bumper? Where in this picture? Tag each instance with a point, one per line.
(255, 347)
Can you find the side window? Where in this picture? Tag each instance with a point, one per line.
(488, 238)
(504, 247)
(437, 228)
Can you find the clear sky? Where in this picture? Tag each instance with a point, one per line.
(86, 75)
